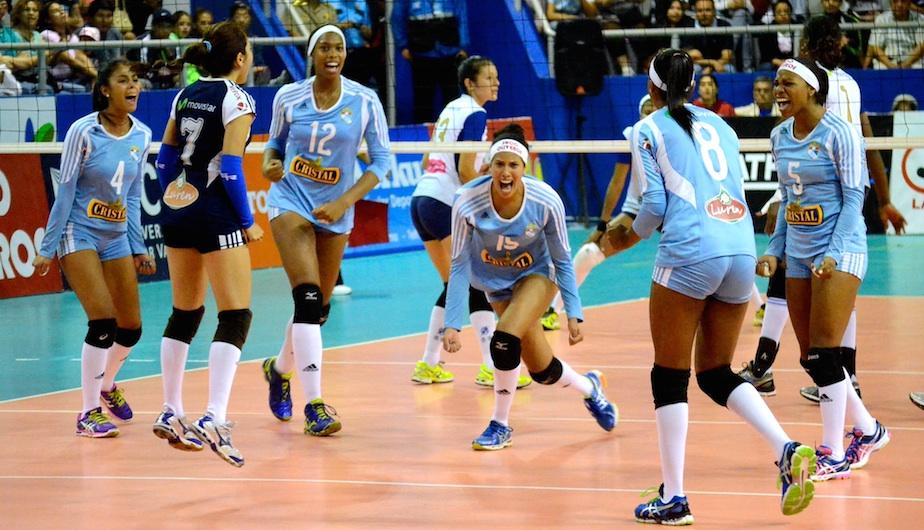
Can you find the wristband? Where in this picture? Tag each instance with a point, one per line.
(601, 226)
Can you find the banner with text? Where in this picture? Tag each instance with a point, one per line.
(907, 179)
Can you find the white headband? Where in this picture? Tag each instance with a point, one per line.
(656, 80)
(794, 66)
(508, 145)
(320, 32)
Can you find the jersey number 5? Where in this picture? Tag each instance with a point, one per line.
(710, 149)
(797, 180)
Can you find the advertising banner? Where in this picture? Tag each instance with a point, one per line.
(23, 214)
(907, 179)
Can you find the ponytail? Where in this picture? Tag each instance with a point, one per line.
(217, 53)
(675, 68)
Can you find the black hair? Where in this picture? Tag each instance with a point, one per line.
(761, 79)
(778, 2)
(237, 6)
(470, 68)
(44, 21)
(822, 41)
(100, 102)
(180, 14)
(675, 68)
(225, 41)
(511, 131)
(710, 76)
(100, 5)
(821, 95)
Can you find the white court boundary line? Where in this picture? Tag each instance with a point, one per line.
(433, 485)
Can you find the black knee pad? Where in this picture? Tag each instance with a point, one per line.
(849, 360)
(101, 333)
(233, 326)
(505, 350)
(550, 375)
(669, 385)
(777, 286)
(719, 383)
(325, 313)
(183, 324)
(824, 366)
(309, 304)
(441, 301)
(127, 337)
(477, 301)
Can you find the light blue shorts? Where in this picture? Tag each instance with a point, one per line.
(727, 278)
(109, 245)
(853, 263)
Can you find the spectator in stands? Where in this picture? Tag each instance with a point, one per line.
(141, 12)
(904, 103)
(709, 97)
(738, 13)
(432, 36)
(353, 19)
(853, 52)
(896, 47)
(71, 71)
(202, 21)
(99, 15)
(182, 25)
(774, 48)
(240, 14)
(4, 14)
(867, 10)
(675, 17)
(556, 10)
(763, 104)
(316, 13)
(710, 52)
(158, 63)
(24, 63)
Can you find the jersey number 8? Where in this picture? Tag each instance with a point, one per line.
(710, 149)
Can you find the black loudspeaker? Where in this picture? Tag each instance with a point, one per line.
(580, 59)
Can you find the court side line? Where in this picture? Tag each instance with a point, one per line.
(435, 485)
(541, 419)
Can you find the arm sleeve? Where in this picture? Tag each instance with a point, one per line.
(474, 127)
(399, 16)
(72, 157)
(168, 165)
(376, 136)
(135, 237)
(848, 152)
(556, 237)
(651, 185)
(460, 270)
(279, 124)
(232, 177)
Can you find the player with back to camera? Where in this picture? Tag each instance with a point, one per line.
(317, 127)
(684, 159)
(207, 225)
(509, 239)
(94, 227)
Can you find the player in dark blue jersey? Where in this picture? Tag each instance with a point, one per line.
(95, 229)
(207, 224)
(317, 128)
(692, 188)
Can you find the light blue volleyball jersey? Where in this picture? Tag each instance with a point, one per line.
(320, 147)
(692, 187)
(99, 185)
(493, 253)
(823, 179)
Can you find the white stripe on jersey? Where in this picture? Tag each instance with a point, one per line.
(76, 147)
(850, 151)
(673, 181)
(542, 193)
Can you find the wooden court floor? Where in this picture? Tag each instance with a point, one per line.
(403, 458)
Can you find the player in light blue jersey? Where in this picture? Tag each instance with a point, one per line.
(95, 229)
(207, 225)
(686, 161)
(509, 240)
(317, 128)
(822, 236)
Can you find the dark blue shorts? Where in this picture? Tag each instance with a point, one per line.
(431, 218)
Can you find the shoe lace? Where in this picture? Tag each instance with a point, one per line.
(284, 390)
(853, 450)
(324, 411)
(224, 432)
(115, 397)
(98, 417)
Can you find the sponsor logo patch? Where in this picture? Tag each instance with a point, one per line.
(797, 214)
(114, 212)
(347, 115)
(180, 194)
(723, 207)
(522, 261)
(312, 170)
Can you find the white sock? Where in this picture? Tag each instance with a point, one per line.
(833, 410)
(285, 361)
(173, 355)
(306, 341)
(92, 371)
(672, 441)
(505, 386)
(114, 361)
(580, 382)
(849, 340)
(775, 316)
(857, 411)
(223, 358)
(747, 403)
(484, 324)
(587, 257)
(434, 344)
(756, 299)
